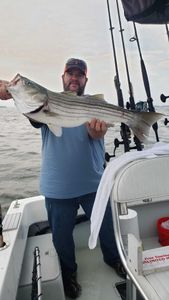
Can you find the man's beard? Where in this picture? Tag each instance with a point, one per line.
(79, 92)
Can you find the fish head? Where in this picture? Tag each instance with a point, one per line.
(28, 95)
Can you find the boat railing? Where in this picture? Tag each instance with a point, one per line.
(151, 199)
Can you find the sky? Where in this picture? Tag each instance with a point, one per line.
(38, 36)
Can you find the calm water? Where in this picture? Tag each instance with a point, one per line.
(20, 158)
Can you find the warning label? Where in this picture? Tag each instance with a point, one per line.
(155, 259)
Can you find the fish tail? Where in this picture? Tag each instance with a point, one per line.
(142, 122)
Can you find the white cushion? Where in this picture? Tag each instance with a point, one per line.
(144, 180)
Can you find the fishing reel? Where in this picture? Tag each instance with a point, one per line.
(108, 156)
(116, 145)
(125, 133)
(139, 106)
(126, 140)
(163, 98)
(166, 121)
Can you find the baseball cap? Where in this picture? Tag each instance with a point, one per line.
(76, 63)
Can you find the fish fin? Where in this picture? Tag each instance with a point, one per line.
(96, 96)
(57, 130)
(142, 122)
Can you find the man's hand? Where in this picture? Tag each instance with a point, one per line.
(4, 94)
(96, 128)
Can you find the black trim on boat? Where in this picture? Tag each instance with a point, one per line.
(121, 288)
(43, 227)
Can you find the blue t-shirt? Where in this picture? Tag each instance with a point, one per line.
(72, 165)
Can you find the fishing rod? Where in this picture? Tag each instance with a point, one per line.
(36, 292)
(145, 80)
(162, 96)
(131, 96)
(167, 30)
(131, 99)
(125, 132)
(2, 243)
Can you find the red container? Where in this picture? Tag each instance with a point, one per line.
(163, 233)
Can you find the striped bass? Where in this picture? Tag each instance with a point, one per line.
(66, 109)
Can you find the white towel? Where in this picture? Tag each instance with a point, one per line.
(107, 182)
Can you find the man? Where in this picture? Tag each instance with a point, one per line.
(72, 166)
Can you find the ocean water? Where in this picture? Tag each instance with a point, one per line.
(20, 153)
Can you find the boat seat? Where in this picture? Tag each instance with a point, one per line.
(143, 186)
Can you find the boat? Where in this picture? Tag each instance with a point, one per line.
(25, 227)
(134, 197)
(139, 194)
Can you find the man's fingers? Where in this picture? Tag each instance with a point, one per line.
(92, 123)
(103, 126)
(97, 125)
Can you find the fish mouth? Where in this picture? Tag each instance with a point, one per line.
(14, 81)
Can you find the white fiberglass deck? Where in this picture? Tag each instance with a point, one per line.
(96, 278)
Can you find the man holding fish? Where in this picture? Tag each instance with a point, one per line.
(72, 158)
(72, 166)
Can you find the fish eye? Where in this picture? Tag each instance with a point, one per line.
(27, 82)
